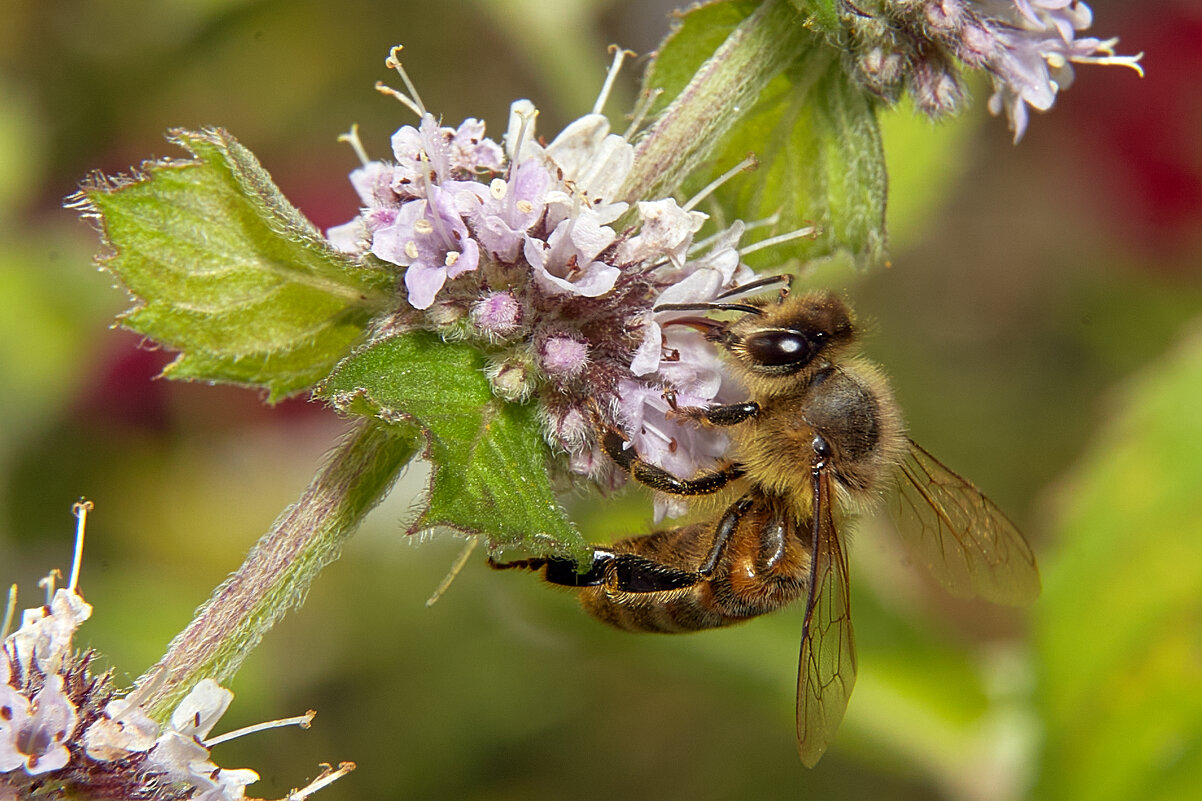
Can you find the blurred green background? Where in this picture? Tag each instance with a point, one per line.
(1042, 322)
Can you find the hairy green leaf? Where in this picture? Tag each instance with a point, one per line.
(1119, 626)
(489, 459)
(813, 130)
(227, 272)
(697, 34)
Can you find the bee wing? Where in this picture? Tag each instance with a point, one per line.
(826, 670)
(960, 535)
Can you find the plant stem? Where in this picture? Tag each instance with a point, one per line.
(278, 571)
(718, 96)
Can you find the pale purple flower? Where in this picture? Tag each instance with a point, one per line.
(123, 729)
(14, 711)
(594, 161)
(666, 233)
(180, 752)
(35, 733)
(505, 210)
(567, 260)
(373, 183)
(1027, 47)
(430, 239)
(433, 154)
(560, 303)
(1033, 43)
(681, 448)
(44, 638)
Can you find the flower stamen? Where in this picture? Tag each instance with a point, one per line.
(1110, 59)
(10, 610)
(619, 55)
(385, 89)
(327, 777)
(810, 231)
(414, 100)
(747, 164)
(303, 721)
(643, 107)
(351, 137)
(49, 584)
(80, 509)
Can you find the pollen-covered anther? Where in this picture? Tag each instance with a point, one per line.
(452, 258)
(423, 226)
(498, 188)
(411, 249)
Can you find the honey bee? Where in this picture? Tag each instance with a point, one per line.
(820, 438)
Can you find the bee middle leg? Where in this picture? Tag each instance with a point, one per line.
(659, 479)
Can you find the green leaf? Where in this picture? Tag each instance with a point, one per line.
(227, 272)
(816, 137)
(490, 461)
(719, 90)
(813, 130)
(696, 35)
(1119, 627)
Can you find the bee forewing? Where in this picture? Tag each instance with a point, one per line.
(962, 537)
(826, 670)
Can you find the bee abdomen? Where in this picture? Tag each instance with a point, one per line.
(665, 612)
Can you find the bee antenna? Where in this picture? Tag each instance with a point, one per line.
(708, 306)
(702, 324)
(759, 283)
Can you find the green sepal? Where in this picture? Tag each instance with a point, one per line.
(488, 456)
(227, 272)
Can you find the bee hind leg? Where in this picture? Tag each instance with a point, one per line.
(564, 572)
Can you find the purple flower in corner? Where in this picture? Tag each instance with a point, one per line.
(429, 238)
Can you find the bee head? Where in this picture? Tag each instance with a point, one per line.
(785, 336)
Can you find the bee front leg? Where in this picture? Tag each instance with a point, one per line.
(729, 415)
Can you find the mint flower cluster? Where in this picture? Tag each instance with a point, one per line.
(66, 733)
(530, 252)
(61, 727)
(1028, 48)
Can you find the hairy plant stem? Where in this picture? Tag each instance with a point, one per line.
(722, 91)
(278, 571)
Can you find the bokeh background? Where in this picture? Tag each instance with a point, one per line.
(1041, 319)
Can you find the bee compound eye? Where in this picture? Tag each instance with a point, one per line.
(780, 348)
